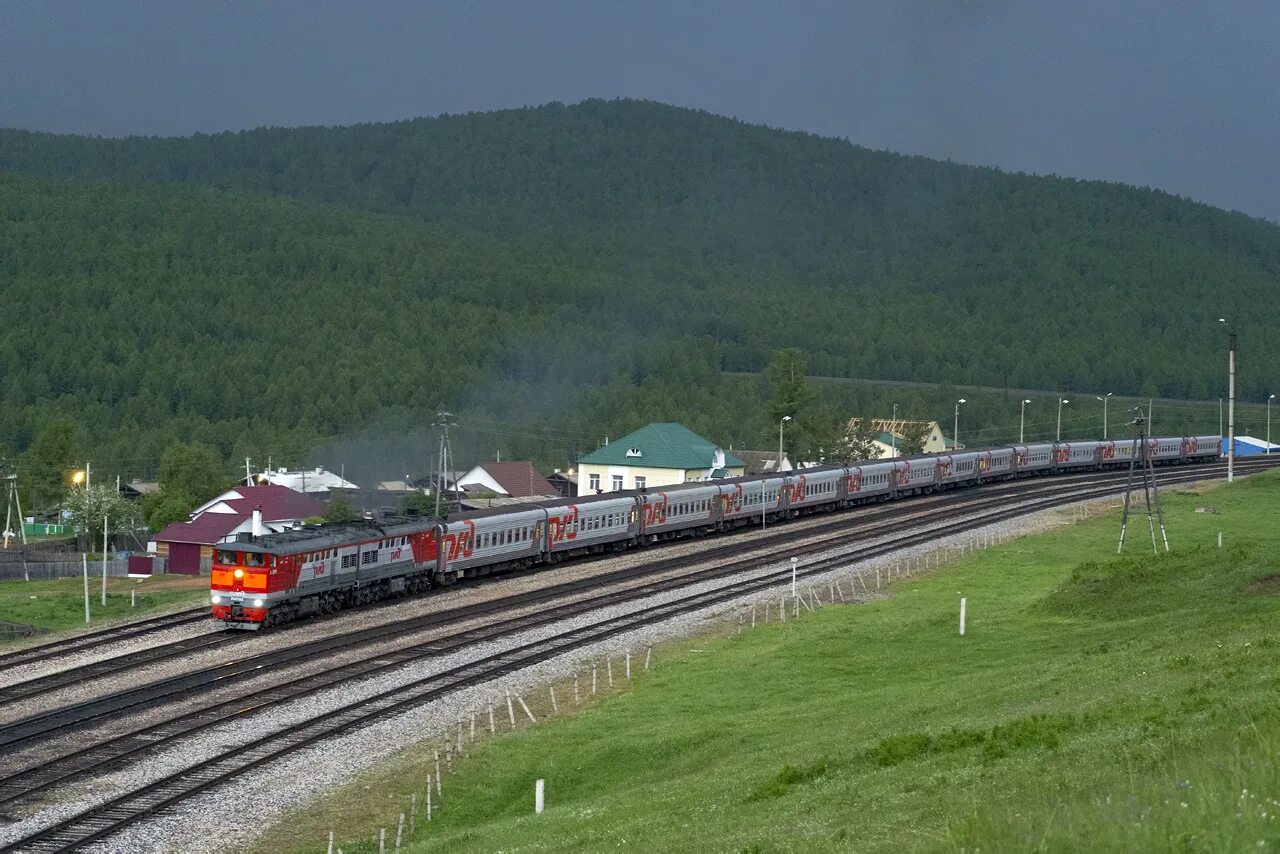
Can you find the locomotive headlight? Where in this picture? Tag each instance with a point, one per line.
(239, 573)
(258, 603)
(217, 600)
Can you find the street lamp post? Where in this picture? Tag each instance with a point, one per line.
(955, 428)
(1104, 412)
(1022, 421)
(893, 438)
(1269, 399)
(784, 420)
(1231, 400)
(1061, 400)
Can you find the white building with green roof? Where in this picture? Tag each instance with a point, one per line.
(655, 455)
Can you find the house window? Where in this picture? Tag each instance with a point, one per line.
(593, 482)
(640, 481)
(617, 482)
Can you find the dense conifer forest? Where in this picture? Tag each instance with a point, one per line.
(563, 273)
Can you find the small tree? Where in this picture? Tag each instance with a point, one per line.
(417, 502)
(914, 434)
(88, 505)
(339, 510)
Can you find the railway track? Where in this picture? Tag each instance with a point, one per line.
(755, 552)
(865, 515)
(113, 634)
(112, 816)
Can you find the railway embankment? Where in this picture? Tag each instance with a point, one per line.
(1094, 701)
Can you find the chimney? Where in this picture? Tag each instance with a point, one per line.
(257, 521)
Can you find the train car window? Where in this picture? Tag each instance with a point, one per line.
(253, 559)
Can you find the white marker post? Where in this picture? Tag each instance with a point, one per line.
(539, 796)
(85, 558)
(104, 561)
(793, 576)
(962, 604)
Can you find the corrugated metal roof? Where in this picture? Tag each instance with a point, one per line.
(662, 446)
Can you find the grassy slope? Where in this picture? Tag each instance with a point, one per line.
(1118, 704)
(59, 603)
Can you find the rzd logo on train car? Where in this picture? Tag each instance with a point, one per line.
(564, 527)
(461, 543)
(853, 481)
(1061, 453)
(655, 512)
(795, 491)
(732, 503)
(984, 462)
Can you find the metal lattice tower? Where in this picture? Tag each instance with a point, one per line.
(11, 503)
(444, 420)
(1141, 456)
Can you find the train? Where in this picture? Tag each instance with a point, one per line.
(262, 581)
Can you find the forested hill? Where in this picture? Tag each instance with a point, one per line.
(314, 279)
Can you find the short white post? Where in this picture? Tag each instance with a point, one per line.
(448, 755)
(782, 609)
(437, 772)
(575, 689)
(525, 706)
(555, 707)
(1219, 546)
(628, 664)
(382, 840)
(539, 796)
(793, 576)
(413, 811)
(648, 652)
(753, 615)
(877, 578)
(609, 669)
(400, 832)
(473, 726)
(428, 797)
(459, 736)
(593, 678)
(492, 728)
(511, 711)
(863, 582)
(962, 604)
(330, 842)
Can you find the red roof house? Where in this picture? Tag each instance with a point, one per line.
(518, 479)
(187, 544)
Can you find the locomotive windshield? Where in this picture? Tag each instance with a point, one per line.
(225, 557)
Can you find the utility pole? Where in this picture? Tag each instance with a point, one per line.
(955, 428)
(248, 473)
(1061, 400)
(12, 502)
(1142, 456)
(1022, 421)
(893, 436)
(444, 420)
(1104, 412)
(86, 474)
(1231, 401)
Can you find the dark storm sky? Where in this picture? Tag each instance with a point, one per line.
(1180, 96)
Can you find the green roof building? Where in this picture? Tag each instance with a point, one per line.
(655, 455)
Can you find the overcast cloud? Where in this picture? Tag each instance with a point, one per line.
(1180, 96)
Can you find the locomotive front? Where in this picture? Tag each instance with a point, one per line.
(241, 585)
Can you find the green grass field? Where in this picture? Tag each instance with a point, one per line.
(1096, 703)
(58, 604)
